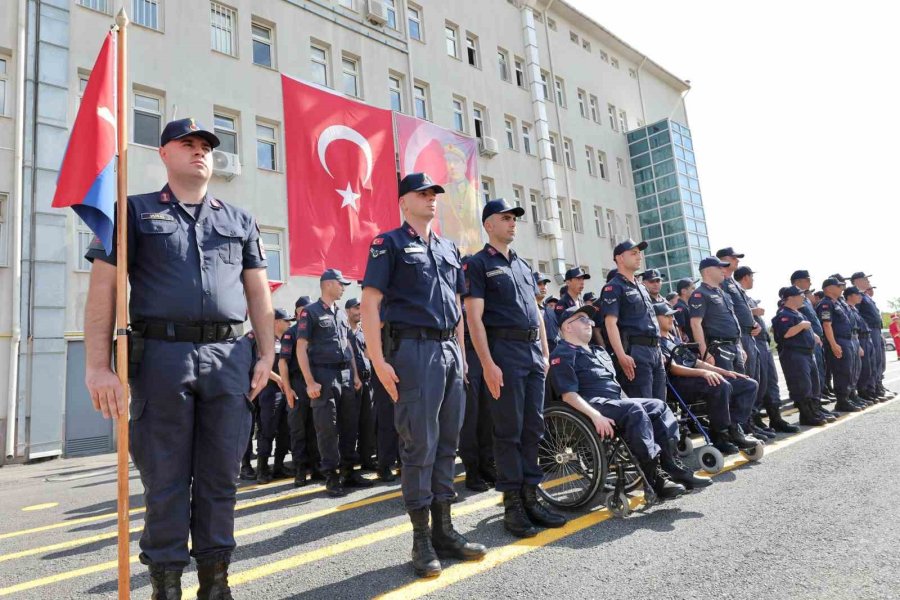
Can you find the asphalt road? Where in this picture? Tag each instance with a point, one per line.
(816, 518)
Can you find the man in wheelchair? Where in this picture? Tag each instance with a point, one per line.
(584, 376)
(729, 395)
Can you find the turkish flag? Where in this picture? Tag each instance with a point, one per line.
(341, 179)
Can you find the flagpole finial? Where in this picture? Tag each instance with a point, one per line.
(122, 18)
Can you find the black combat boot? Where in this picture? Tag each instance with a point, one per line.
(721, 440)
(677, 470)
(424, 558)
(488, 472)
(844, 404)
(808, 413)
(766, 428)
(247, 471)
(263, 474)
(446, 541)
(164, 584)
(515, 519)
(351, 478)
(658, 480)
(759, 433)
(279, 470)
(474, 481)
(300, 479)
(333, 485)
(538, 513)
(386, 474)
(860, 399)
(213, 578)
(777, 422)
(740, 439)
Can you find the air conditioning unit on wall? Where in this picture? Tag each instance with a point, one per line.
(548, 229)
(226, 164)
(488, 146)
(376, 12)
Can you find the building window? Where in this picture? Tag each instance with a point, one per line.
(629, 227)
(623, 121)
(451, 39)
(148, 112)
(83, 77)
(146, 13)
(589, 157)
(4, 206)
(487, 189)
(414, 22)
(573, 37)
(271, 240)
(560, 208)
(586, 45)
(582, 103)
(533, 204)
(620, 171)
(225, 127)
(350, 70)
(480, 117)
(518, 200)
(577, 225)
(632, 73)
(526, 139)
(614, 62)
(503, 64)
(222, 28)
(4, 78)
(611, 226)
(395, 91)
(459, 114)
(604, 56)
(560, 92)
(472, 50)
(553, 154)
(567, 153)
(318, 62)
(99, 5)
(601, 165)
(84, 238)
(520, 73)
(611, 110)
(263, 49)
(543, 266)
(348, 4)
(266, 147)
(390, 7)
(598, 221)
(509, 125)
(595, 109)
(421, 100)
(545, 88)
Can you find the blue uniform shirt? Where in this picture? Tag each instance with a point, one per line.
(870, 314)
(185, 269)
(859, 324)
(783, 320)
(507, 288)
(739, 303)
(551, 324)
(589, 372)
(714, 307)
(288, 341)
(327, 331)
(832, 311)
(682, 318)
(358, 341)
(566, 301)
(419, 279)
(630, 302)
(808, 311)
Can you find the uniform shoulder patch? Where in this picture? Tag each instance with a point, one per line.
(784, 319)
(698, 295)
(555, 361)
(608, 288)
(378, 241)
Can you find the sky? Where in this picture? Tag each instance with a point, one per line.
(790, 109)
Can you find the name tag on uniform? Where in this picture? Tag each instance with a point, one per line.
(325, 321)
(494, 273)
(157, 217)
(716, 299)
(414, 249)
(632, 293)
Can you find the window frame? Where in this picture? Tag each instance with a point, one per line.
(232, 14)
(324, 62)
(528, 139)
(424, 99)
(417, 19)
(450, 28)
(221, 131)
(395, 91)
(273, 142)
(159, 14)
(510, 128)
(273, 249)
(270, 42)
(159, 114)
(356, 74)
(460, 118)
(473, 50)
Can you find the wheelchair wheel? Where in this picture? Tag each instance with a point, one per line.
(685, 445)
(633, 480)
(711, 460)
(571, 458)
(618, 505)
(755, 454)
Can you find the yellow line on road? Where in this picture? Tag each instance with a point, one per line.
(43, 506)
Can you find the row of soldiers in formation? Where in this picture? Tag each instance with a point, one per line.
(197, 270)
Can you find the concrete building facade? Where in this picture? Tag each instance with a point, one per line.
(550, 93)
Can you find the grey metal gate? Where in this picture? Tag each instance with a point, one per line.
(87, 432)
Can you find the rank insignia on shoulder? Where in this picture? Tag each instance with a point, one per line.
(375, 252)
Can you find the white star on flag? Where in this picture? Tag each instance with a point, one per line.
(349, 197)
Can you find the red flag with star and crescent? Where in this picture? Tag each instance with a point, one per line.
(341, 179)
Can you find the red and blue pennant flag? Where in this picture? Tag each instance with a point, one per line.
(87, 179)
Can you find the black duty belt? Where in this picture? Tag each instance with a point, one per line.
(517, 335)
(723, 340)
(423, 333)
(336, 365)
(863, 333)
(197, 333)
(643, 340)
(800, 350)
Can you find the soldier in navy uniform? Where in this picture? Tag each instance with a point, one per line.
(684, 288)
(652, 280)
(196, 266)
(840, 344)
(570, 293)
(802, 280)
(740, 305)
(548, 314)
(511, 344)
(417, 276)
(631, 328)
(366, 438)
(872, 316)
(861, 378)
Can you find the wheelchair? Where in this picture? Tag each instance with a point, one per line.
(578, 466)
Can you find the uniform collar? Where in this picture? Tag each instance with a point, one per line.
(408, 230)
(709, 287)
(332, 308)
(625, 279)
(167, 197)
(494, 252)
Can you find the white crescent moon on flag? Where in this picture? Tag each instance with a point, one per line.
(417, 142)
(342, 132)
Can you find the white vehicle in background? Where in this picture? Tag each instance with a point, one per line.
(888, 340)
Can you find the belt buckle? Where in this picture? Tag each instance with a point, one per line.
(533, 335)
(208, 332)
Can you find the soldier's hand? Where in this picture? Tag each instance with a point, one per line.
(627, 364)
(604, 426)
(388, 378)
(862, 352)
(546, 365)
(107, 392)
(314, 390)
(357, 383)
(291, 398)
(713, 378)
(710, 359)
(837, 351)
(756, 330)
(260, 377)
(493, 378)
(818, 339)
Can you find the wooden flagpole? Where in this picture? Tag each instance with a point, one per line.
(122, 302)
